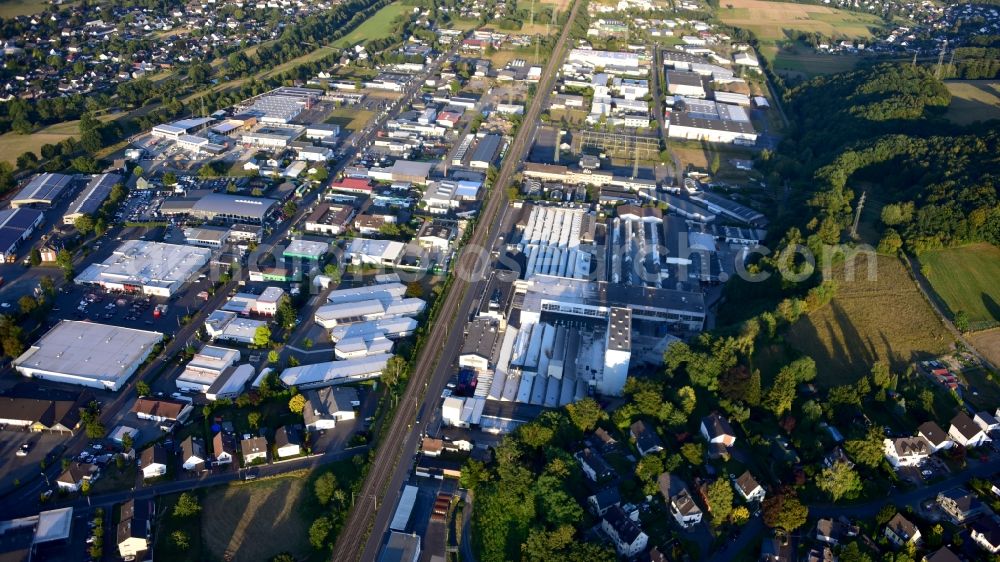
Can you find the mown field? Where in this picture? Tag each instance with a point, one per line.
(987, 343)
(350, 119)
(883, 318)
(376, 27)
(12, 8)
(967, 279)
(13, 145)
(769, 22)
(973, 100)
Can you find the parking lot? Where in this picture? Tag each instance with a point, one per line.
(23, 468)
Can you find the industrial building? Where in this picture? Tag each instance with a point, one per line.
(487, 151)
(177, 129)
(550, 241)
(333, 373)
(404, 170)
(207, 236)
(221, 206)
(43, 189)
(374, 252)
(306, 250)
(283, 105)
(602, 59)
(366, 304)
(685, 125)
(223, 325)
(731, 209)
(92, 197)
(16, 226)
(264, 304)
(87, 354)
(152, 268)
(391, 328)
(445, 195)
(683, 83)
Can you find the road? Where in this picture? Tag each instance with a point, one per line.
(361, 536)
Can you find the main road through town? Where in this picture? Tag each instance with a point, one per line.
(362, 534)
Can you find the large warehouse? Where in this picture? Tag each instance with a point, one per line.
(87, 354)
(92, 197)
(43, 189)
(152, 268)
(16, 226)
(335, 372)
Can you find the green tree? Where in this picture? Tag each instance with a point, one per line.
(253, 418)
(169, 179)
(962, 321)
(693, 453)
(868, 450)
(290, 208)
(881, 375)
(127, 442)
(319, 531)
(895, 214)
(272, 356)
(283, 557)
(720, 500)
(36, 257)
(64, 260)
(180, 540)
(27, 304)
(840, 481)
(784, 511)
(324, 487)
(262, 337)
(686, 399)
(142, 388)
(297, 404)
(187, 505)
(84, 224)
(585, 414)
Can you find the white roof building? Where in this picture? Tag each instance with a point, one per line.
(333, 373)
(374, 252)
(87, 354)
(152, 268)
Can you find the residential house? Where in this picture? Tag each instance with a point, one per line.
(162, 410)
(605, 441)
(287, 442)
(72, 479)
(901, 531)
(833, 531)
(682, 506)
(193, 454)
(327, 406)
(628, 538)
(604, 500)
(716, 429)
(907, 451)
(942, 554)
(935, 436)
(820, 553)
(153, 462)
(967, 432)
(775, 549)
(986, 532)
(959, 504)
(253, 449)
(749, 488)
(646, 439)
(986, 421)
(33, 414)
(594, 465)
(223, 448)
(134, 528)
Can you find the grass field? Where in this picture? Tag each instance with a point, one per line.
(987, 343)
(966, 278)
(769, 21)
(234, 514)
(375, 27)
(350, 118)
(13, 145)
(973, 100)
(885, 318)
(12, 8)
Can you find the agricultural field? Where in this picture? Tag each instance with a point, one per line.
(973, 100)
(883, 318)
(770, 21)
(375, 27)
(966, 279)
(13, 145)
(987, 343)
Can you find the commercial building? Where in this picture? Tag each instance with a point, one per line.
(92, 197)
(596, 59)
(271, 137)
(87, 354)
(367, 304)
(222, 206)
(306, 250)
(333, 373)
(487, 151)
(206, 368)
(374, 252)
(223, 325)
(207, 236)
(152, 268)
(685, 126)
(322, 131)
(281, 107)
(264, 304)
(329, 219)
(682, 83)
(231, 383)
(404, 170)
(445, 195)
(16, 226)
(177, 129)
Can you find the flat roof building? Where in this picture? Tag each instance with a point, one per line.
(374, 252)
(329, 219)
(487, 151)
(92, 197)
(206, 368)
(306, 249)
(152, 268)
(43, 189)
(87, 354)
(233, 208)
